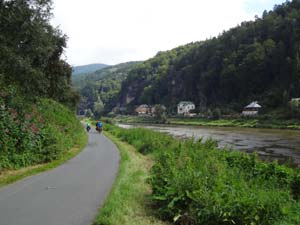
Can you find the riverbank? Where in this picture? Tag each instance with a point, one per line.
(196, 183)
(260, 122)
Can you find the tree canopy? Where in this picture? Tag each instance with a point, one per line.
(31, 50)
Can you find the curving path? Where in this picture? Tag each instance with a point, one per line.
(67, 195)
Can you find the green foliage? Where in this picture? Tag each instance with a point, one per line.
(125, 205)
(33, 129)
(30, 51)
(34, 133)
(81, 70)
(89, 113)
(257, 60)
(216, 113)
(294, 107)
(196, 183)
(101, 87)
(160, 113)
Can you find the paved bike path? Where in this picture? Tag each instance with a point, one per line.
(67, 195)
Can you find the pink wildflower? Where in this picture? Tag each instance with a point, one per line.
(34, 129)
(27, 116)
(13, 113)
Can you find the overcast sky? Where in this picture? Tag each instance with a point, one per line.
(115, 31)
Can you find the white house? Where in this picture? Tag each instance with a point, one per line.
(295, 102)
(184, 108)
(251, 109)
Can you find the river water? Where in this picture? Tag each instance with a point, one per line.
(283, 145)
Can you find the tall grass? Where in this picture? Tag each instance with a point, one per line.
(196, 183)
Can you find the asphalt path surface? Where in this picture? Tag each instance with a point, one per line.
(70, 194)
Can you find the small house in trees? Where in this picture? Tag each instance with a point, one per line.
(143, 109)
(184, 108)
(251, 109)
(295, 102)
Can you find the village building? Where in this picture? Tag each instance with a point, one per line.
(184, 108)
(295, 102)
(143, 109)
(252, 109)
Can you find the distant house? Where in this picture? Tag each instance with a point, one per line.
(184, 108)
(251, 109)
(295, 102)
(143, 109)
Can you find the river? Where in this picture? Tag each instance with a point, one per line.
(270, 144)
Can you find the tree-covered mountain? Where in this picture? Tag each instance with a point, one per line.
(100, 89)
(257, 60)
(90, 68)
(34, 127)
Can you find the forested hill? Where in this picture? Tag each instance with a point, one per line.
(100, 89)
(90, 68)
(34, 127)
(257, 60)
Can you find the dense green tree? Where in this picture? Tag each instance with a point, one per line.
(160, 113)
(30, 51)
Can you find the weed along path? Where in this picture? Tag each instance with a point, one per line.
(67, 195)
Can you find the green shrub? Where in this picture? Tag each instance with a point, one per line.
(33, 132)
(197, 183)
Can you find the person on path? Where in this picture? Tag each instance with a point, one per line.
(99, 126)
(88, 127)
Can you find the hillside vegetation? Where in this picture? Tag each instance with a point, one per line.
(35, 133)
(99, 90)
(34, 83)
(257, 60)
(90, 68)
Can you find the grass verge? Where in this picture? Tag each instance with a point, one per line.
(259, 122)
(128, 200)
(10, 176)
(195, 182)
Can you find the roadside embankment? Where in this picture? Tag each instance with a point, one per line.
(36, 137)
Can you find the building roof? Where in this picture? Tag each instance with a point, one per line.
(143, 106)
(295, 99)
(185, 103)
(253, 105)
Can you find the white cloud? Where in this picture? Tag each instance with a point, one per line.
(114, 31)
